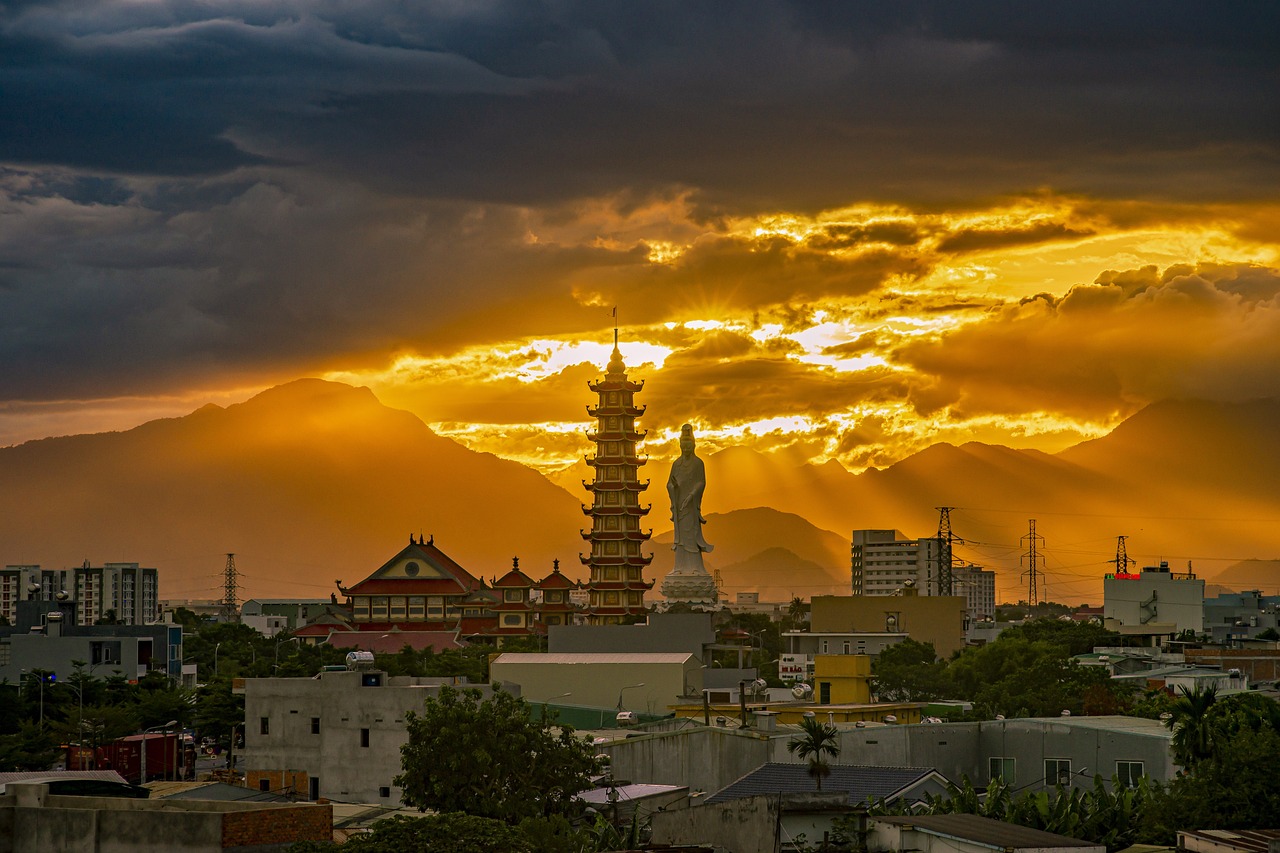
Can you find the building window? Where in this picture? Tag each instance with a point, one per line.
(384, 791)
(314, 789)
(1001, 769)
(364, 738)
(824, 692)
(264, 784)
(610, 598)
(264, 725)
(511, 619)
(1129, 772)
(512, 595)
(846, 647)
(315, 725)
(1057, 771)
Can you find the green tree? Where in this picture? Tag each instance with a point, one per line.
(29, 748)
(1192, 726)
(816, 742)
(1235, 788)
(1015, 676)
(490, 758)
(1077, 638)
(910, 671)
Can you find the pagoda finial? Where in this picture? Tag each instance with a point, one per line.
(616, 365)
(555, 565)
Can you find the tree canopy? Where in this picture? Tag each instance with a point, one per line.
(490, 758)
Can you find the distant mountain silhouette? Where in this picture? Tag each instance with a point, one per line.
(1184, 481)
(313, 481)
(1262, 575)
(307, 483)
(778, 554)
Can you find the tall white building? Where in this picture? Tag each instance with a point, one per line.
(23, 583)
(127, 590)
(884, 560)
(978, 586)
(1155, 598)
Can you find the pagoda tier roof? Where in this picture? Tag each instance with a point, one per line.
(419, 562)
(619, 560)
(600, 459)
(393, 641)
(513, 578)
(614, 610)
(615, 486)
(630, 411)
(616, 535)
(616, 509)
(556, 607)
(624, 586)
(533, 630)
(555, 580)
(615, 383)
(474, 626)
(616, 435)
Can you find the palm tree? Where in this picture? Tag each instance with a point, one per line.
(817, 741)
(1192, 725)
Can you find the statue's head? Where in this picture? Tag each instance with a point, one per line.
(686, 440)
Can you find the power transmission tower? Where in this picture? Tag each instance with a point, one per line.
(945, 540)
(230, 600)
(1123, 561)
(1032, 557)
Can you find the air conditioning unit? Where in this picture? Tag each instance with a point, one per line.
(627, 718)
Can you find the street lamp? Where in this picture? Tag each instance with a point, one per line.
(42, 675)
(280, 643)
(628, 687)
(151, 731)
(216, 646)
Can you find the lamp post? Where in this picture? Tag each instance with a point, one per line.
(279, 643)
(216, 646)
(40, 674)
(628, 687)
(150, 731)
(546, 702)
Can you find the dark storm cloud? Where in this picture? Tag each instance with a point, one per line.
(194, 190)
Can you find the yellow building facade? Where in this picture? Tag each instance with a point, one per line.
(937, 619)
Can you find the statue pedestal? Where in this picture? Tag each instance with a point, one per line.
(695, 589)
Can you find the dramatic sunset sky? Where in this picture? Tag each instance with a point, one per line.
(844, 230)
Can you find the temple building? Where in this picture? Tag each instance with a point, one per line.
(421, 594)
(616, 586)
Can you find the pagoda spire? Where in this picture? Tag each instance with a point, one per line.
(616, 587)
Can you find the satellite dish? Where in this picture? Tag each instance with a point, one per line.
(890, 718)
(760, 685)
(860, 725)
(999, 716)
(1066, 712)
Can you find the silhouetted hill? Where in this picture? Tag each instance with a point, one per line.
(306, 483)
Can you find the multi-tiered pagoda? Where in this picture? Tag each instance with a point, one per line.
(617, 586)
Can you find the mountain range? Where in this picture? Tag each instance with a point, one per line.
(314, 481)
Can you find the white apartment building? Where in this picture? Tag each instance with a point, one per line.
(884, 560)
(128, 590)
(21, 583)
(1155, 600)
(978, 586)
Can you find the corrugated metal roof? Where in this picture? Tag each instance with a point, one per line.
(1245, 840)
(585, 658)
(985, 830)
(860, 783)
(61, 775)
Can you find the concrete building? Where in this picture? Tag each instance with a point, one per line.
(693, 633)
(967, 833)
(1235, 617)
(27, 583)
(1030, 754)
(31, 818)
(336, 737)
(978, 586)
(798, 663)
(1154, 601)
(46, 637)
(633, 681)
(925, 619)
(883, 561)
(126, 591)
(296, 612)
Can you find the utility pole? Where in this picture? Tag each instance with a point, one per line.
(230, 601)
(945, 540)
(1032, 558)
(1122, 562)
